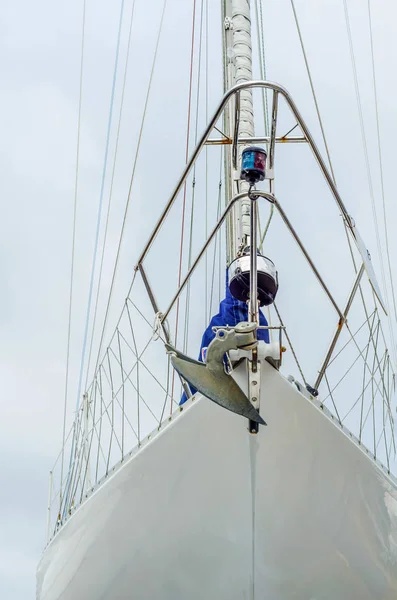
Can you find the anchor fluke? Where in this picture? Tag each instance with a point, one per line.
(211, 379)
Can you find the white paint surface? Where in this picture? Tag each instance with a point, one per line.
(164, 528)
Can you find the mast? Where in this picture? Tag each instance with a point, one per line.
(237, 52)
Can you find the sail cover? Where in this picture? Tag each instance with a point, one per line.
(231, 312)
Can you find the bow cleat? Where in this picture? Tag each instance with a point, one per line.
(211, 379)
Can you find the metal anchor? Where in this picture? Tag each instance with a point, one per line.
(211, 379)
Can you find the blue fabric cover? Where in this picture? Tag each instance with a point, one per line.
(231, 312)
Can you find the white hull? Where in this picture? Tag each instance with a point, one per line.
(175, 521)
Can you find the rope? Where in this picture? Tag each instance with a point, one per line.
(131, 183)
(73, 247)
(111, 190)
(313, 91)
(380, 158)
(158, 326)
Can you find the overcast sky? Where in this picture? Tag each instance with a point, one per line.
(39, 65)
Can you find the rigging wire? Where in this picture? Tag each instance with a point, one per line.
(263, 75)
(367, 164)
(218, 214)
(313, 90)
(262, 61)
(131, 183)
(380, 158)
(266, 229)
(76, 185)
(85, 338)
(321, 125)
(99, 214)
(206, 158)
(187, 306)
(185, 186)
(265, 103)
(111, 188)
(220, 263)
